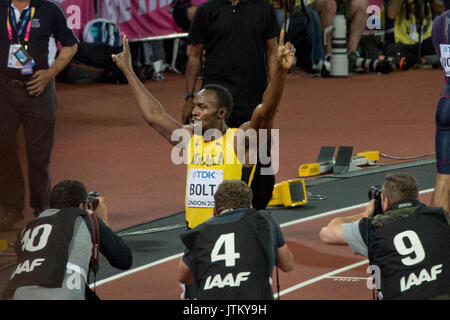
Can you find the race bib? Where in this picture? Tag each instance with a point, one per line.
(445, 58)
(201, 186)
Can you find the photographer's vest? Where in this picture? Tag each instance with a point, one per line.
(42, 251)
(209, 163)
(406, 28)
(232, 260)
(410, 244)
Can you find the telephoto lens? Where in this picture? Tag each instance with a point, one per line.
(339, 59)
(399, 62)
(373, 65)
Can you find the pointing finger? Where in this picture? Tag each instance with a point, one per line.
(126, 47)
(281, 37)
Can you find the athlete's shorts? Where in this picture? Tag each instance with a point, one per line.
(443, 136)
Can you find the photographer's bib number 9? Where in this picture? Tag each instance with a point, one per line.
(202, 184)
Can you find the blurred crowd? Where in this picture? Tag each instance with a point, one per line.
(398, 31)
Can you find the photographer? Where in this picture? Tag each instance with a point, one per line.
(232, 255)
(408, 241)
(58, 249)
(408, 25)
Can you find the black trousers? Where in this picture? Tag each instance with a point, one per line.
(263, 184)
(38, 116)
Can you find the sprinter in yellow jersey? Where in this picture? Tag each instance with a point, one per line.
(208, 165)
(208, 140)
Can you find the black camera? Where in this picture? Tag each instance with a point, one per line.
(375, 193)
(92, 201)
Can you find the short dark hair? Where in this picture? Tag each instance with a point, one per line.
(400, 186)
(232, 194)
(68, 194)
(224, 97)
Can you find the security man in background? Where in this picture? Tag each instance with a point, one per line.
(408, 242)
(29, 32)
(58, 249)
(232, 255)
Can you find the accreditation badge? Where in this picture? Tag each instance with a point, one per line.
(445, 58)
(413, 34)
(201, 186)
(13, 62)
(19, 58)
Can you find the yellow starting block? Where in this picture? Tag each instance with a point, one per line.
(370, 156)
(350, 163)
(289, 193)
(323, 164)
(314, 169)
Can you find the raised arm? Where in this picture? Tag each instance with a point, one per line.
(151, 109)
(264, 114)
(333, 234)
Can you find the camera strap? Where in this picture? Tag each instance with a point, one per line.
(278, 284)
(369, 240)
(94, 266)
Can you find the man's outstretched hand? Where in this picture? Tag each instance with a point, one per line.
(286, 52)
(123, 59)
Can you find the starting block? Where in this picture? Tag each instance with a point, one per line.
(289, 193)
(343, 163)
(323, 164)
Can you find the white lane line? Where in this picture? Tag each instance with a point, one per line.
(348, 278)
(317, 216)
(329, 213)
(126, 273)
(316, 279)
(321, 215)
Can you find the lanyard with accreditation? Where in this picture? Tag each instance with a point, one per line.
(18, 57)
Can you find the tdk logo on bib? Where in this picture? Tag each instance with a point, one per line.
(203, 175)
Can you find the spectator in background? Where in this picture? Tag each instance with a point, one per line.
(401, 28)
(303, 31)
(357, 14)
(183, 12)
(280, 7)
